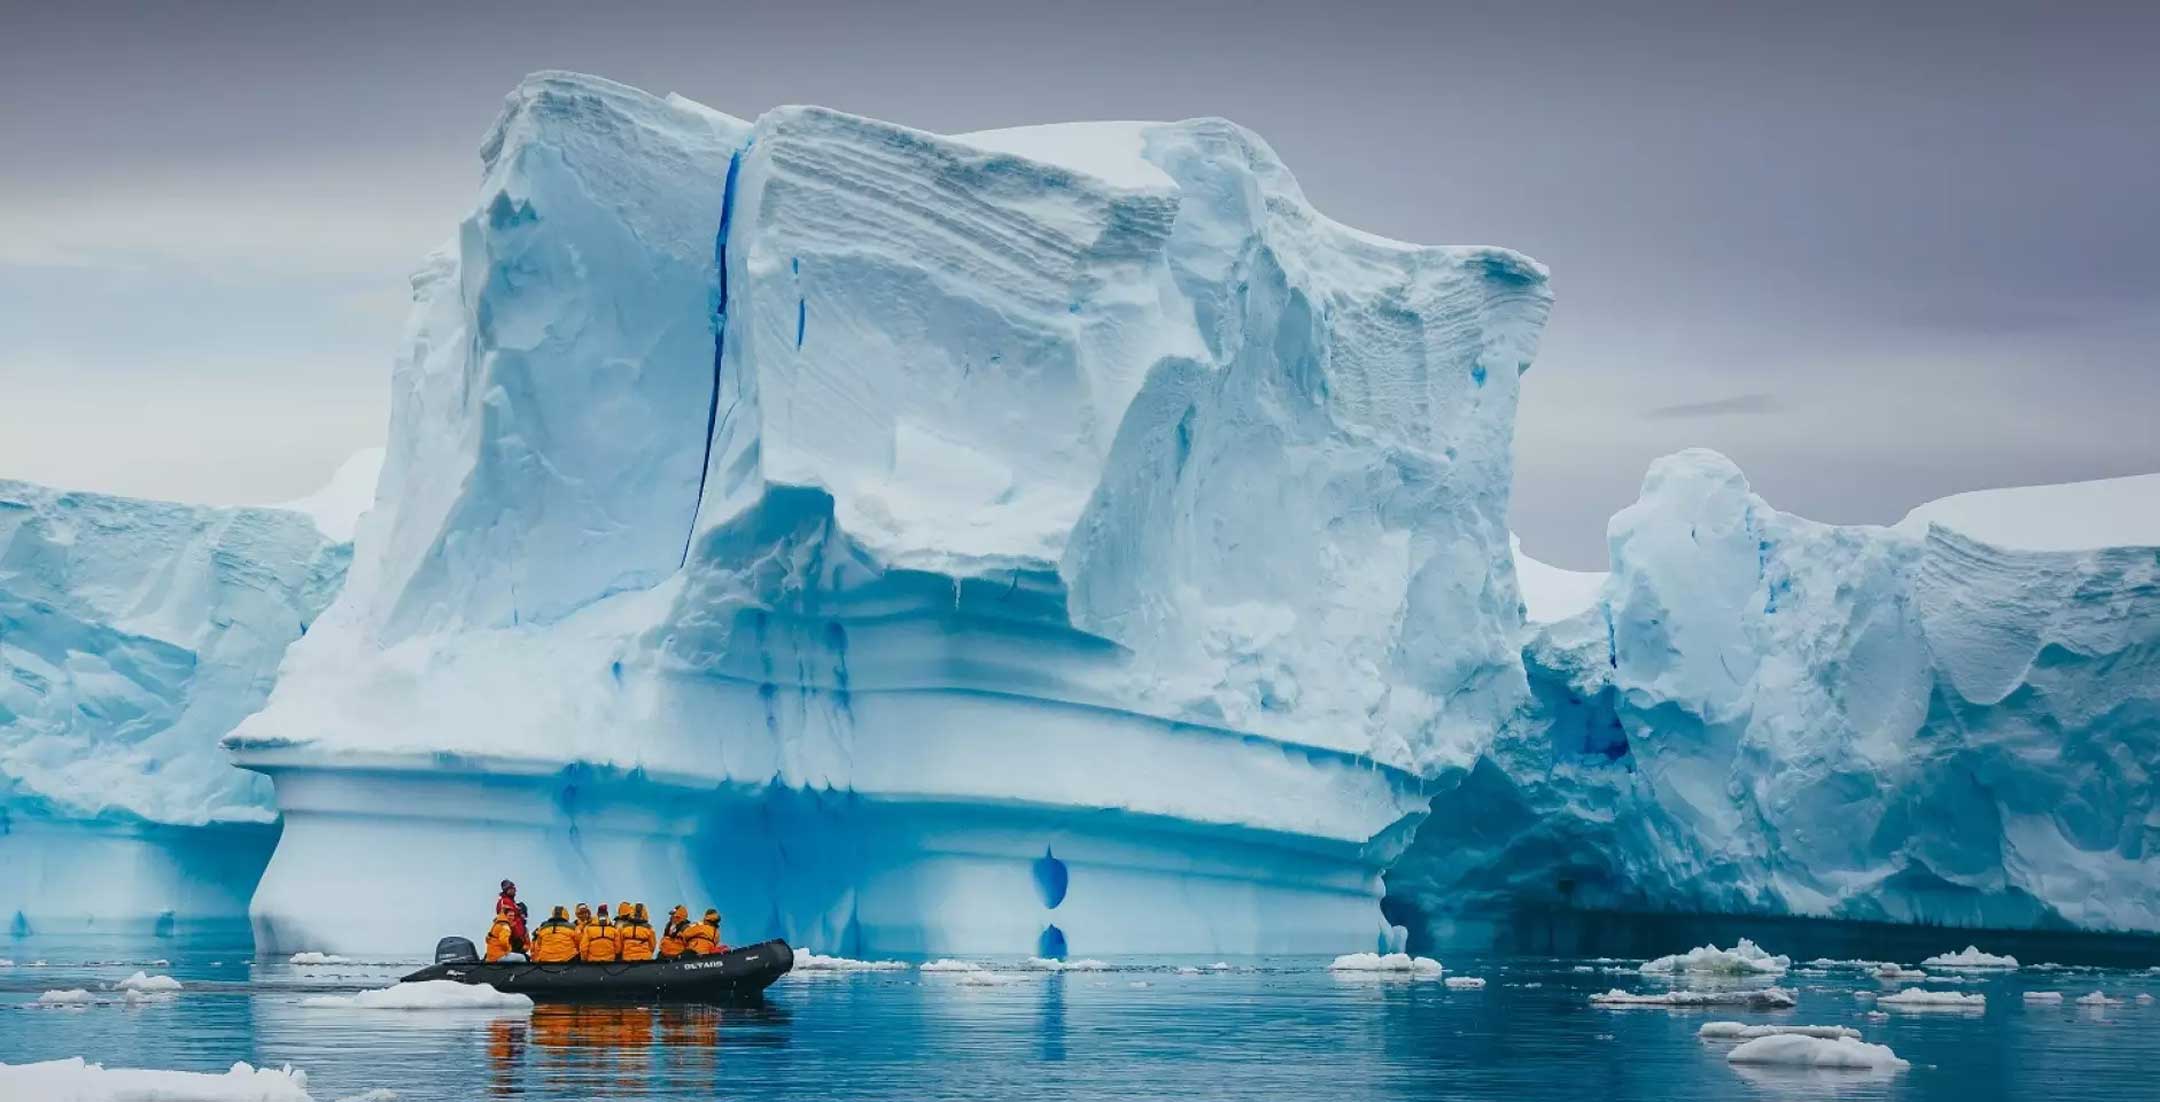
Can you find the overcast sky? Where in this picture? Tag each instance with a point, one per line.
(1876, 252)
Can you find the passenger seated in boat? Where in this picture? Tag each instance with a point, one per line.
(637, 935)
(671, 938)
(603, 941)
(702, 939)
(556, 941)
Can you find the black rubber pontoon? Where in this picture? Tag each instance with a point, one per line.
(733, 976)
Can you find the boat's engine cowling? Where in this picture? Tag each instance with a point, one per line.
(455, 950)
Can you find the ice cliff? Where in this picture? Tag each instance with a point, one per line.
(910, 543)
(133, 635)
(1955, 720)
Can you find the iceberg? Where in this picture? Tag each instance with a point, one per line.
(1743, 959)
(75, 1080)
(133, 635)
(1947, 721)
(1033, 542)
(1970, 959)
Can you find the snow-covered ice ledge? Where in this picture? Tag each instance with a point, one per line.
(889, 537)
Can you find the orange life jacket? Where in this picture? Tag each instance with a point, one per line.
(700, 939)
(603, 942)
(498, 938)
(637, 940)
(671, 940)
(554, 942)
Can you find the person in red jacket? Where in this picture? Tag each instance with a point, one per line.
(507, 904)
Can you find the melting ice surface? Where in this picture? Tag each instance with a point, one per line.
(1265, 1028)
(1063, 540)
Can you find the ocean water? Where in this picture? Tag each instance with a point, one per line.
(1275, 1028)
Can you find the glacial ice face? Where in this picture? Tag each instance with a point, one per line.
(1765, 714)
(916, 517)
(133, 635)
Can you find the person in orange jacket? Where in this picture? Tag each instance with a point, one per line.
(671, 937)
(556, 941)
(603, 942)
(637, 935)
(702, 939)
(499, 935)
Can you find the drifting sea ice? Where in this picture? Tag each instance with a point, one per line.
(1913, 998)
(1796, 1050)
(147, 983)
(1744, 959)
(807, 961)
(74, 1080)
(74, 996)
(2043, 996)
(1465, 983)
(1742, 1031)
(1899, 972)
(318, 958)
(1971, 957)
(1767, 998)
(2098, 998)
(1402, 963)
(426, 995)
(1049, 964)
(949, 965)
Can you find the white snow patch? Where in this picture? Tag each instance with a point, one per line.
(2070, 516)
(337, 506)
(1744, 959)
(74, 1080)
(1971, 957)
(1550, 593)
(1742, 1031)
(426, 995)
(1796, 1050)
(1762, 998)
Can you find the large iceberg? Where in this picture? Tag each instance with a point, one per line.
(992, 543)
(1955, 720)
(133, 635)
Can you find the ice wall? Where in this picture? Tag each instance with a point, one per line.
(1952, 721)
(133, 635)
(912, 543)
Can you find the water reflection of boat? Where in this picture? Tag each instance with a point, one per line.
(581, 1048)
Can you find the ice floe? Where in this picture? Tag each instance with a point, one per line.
(2098, 998)
(1765, 998)
(1914, 998)
(1400, 963)
(74, 996)
(1048, 964)
(950, 965)
(425, 995)
(1465, 983)
(74, 1080)
(147, 984)
(1743, 959)
(1899, 972)
(1801, 1051)
(318, 958)
(1971, 957)
(807, 961)
(1742, 1031)
(2043, 996)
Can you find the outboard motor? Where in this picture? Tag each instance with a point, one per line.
(455, 950)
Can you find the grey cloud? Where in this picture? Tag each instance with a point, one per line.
(1754, 404)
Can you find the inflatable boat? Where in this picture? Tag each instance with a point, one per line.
(733, 976)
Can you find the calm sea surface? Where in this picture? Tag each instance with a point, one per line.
(1278, 1028)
